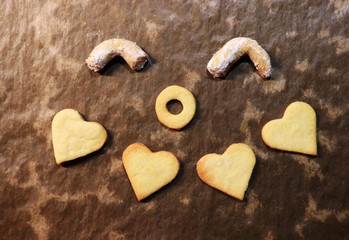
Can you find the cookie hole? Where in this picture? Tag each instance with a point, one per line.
(175, 107)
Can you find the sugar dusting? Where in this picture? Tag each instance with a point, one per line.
(233, 51)
(107, 50)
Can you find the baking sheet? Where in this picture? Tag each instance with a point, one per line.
(44, 44)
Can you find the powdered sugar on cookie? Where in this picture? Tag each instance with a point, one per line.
(233, 50)
(107, 50)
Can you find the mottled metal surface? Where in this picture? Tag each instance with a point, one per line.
(43, 46)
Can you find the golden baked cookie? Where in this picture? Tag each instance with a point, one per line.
(187, 99)
(73, 137)
(229, 172)
(295, 131)
(107, 50)
(233, 50)
(148, 171)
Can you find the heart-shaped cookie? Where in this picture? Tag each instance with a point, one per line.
(73, 137)
(148, 171)
(295, 131)
(229, 172)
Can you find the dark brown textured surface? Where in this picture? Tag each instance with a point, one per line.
(43, 45)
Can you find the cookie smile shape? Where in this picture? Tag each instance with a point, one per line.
(229, 172)
(148, 171)
(295, 131)
(73, 137)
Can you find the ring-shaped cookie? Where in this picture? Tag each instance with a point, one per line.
(187, 99)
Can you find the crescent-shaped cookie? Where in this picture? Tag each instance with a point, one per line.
(107, 50)
(233, 50)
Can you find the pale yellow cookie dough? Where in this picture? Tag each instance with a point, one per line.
(229, 172)
(73, 137)
(175, 121)
(295, 131)
(148, 171)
